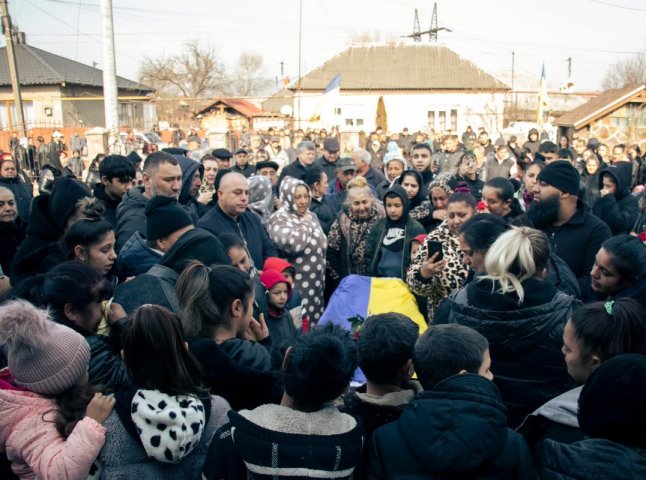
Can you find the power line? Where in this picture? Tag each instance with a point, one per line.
(618, 6)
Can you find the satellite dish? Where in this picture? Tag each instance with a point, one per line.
(286, 110)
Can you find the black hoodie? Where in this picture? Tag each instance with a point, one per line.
(619, 210)
(388, 247)
(189, 167)
(417, 200)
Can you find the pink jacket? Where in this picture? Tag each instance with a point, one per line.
(34, 446)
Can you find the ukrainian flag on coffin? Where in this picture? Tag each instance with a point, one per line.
(365, 296)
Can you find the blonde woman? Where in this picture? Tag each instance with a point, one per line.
(348, 237)
(523, 317)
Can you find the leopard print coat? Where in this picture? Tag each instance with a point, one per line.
(347, 242)
(438, 287)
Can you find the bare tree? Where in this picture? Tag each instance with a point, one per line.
(626, 72)
(195, 72)
(249, 77)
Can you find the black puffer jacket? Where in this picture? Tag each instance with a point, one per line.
(525, 342)
(242, 387)
(457, 430)
(619, 210)
(592, 459)
(106, 368)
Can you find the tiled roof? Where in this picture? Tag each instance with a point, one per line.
(400, 67)
(608, 100)
(240, 105)
(38, 67)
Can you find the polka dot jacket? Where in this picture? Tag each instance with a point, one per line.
(301, 241)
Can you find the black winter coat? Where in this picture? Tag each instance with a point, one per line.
(620, 210)
(242, 387)
(456, 430)
(524, 342)
(11, 236)
(131, 216)
(40, 251)
(323, 212)
(247, 226)
(578, 241)
(23, 194)
(592, 459)
(111, 205)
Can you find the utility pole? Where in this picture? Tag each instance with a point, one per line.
(513, 77)
(110, 98)
(282, 71)
(417, 30)
(13, 67)
(569, 68)
(300, 51)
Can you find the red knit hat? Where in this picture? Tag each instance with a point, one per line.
(276, 264)
(269, 278)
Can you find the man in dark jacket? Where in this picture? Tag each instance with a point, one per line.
(297, 169)
(162, 175)
(241, 163)
(574, 234)
(336, 192)
(362, 161)
(330, 159)
(457, 427)
(616, 206)
(230, 215)
(532, 142)
(157, 285)
(116, 173)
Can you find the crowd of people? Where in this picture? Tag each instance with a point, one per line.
(164, 312)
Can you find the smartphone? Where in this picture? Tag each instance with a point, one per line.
(434, 247)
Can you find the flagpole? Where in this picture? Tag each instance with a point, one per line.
(300, 43)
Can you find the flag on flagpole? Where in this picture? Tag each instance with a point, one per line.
(542, 98)
(328, 100)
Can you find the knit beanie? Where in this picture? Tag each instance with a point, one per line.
(562, 176)
(269, 278)
(44, 357)
(164, 216)
(61, 205)
(611, 404)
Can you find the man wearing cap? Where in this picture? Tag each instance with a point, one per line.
(269, 169)
(345, 171)
(241, 163)
(362, 159)
(276, 152)
(330, 158)
(574, 234)
(230, 215)
(223, 157)
(306, 153)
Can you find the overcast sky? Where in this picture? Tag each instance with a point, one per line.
(594, 33)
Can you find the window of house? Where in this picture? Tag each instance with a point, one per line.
(442, 120)
(359, 122)
(337, 111)
(27, 112)
(349, 122)
(4, 120)
(454, 120)
(431, 119)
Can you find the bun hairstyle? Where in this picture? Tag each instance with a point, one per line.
(91, 208)
(517, 255)
(356, 187)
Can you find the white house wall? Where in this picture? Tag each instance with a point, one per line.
(405, 109)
